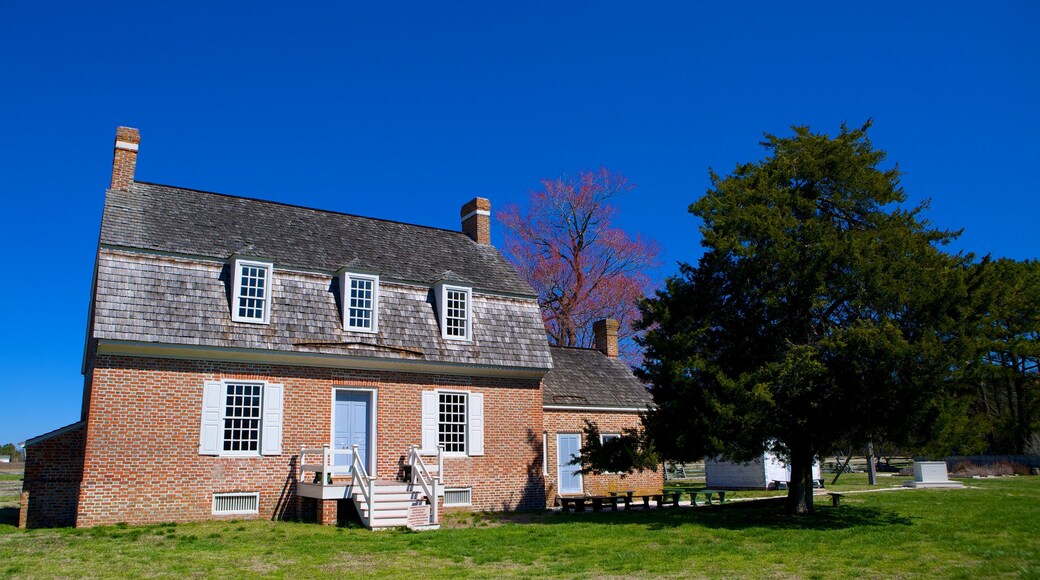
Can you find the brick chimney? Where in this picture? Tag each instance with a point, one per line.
(124, 162)
(476, 220)
(606, 336)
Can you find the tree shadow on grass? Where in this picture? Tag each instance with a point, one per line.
(9, 516)
(762, 514)
(771, 514)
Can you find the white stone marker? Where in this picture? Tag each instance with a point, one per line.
(931, 474)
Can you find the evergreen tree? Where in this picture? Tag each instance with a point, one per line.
(822, 313)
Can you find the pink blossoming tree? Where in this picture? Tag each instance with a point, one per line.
(583, 268)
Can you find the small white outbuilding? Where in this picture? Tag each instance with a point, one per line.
(760, 473)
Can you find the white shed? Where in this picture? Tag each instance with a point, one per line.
(761, 473)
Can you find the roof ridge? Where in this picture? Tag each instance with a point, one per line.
(586, 348)
(298, 206)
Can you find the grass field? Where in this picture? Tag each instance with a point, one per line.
(990, 529)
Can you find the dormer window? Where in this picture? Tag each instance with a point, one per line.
(455, 305)
(251, 301)
(360, 301)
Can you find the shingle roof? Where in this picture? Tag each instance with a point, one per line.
(181, 294)
(197, 223)
(166, 300)
(584, 377)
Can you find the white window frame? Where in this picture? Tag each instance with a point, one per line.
(475, 414)
(442, 311)
(603, 438)
(224, 418)
(345, 278)
(214, 413)
(236, 270)
(465, 421)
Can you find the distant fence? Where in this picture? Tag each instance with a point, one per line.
(982, 460)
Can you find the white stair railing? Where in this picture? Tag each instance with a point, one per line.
(327, 468)
(361, 481)
(421, 476)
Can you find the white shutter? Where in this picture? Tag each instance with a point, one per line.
(209, 435)
(476, 423)
(271, 432)
(429, 421)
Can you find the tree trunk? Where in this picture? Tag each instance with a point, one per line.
(871, 468)
(800, 488)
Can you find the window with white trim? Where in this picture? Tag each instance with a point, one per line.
(453, 420)
(360, 301)
(451, 423)
(603, 438)
(241, 418)
(455, 306)
(252, 292)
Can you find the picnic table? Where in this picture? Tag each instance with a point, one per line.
(579, 502)
(695, 491)
(708, 494)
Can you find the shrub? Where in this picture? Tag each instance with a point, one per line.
(970, 469)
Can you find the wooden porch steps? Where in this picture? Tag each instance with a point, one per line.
(391, 504)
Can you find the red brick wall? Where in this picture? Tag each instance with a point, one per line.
(53, 472)
(142, 463)
(574, 422)
(124, 162)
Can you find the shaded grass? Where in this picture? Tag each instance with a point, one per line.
(988, 530)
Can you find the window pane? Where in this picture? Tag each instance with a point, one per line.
(455, 309)
(242, 417)
(451, 426)
(362, 305)
(252, 294)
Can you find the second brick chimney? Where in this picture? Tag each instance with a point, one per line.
(124, 161)
(476, 220)
(606, 336)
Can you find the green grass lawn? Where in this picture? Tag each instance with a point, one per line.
(989, 529)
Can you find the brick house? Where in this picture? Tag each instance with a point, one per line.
(247, 358)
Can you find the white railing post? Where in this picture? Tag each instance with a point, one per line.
(440, 461)
(420, 474)
(326, 462)
(299, 477)
(360, 475)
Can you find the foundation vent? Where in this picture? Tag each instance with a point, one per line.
(236, 503)
(459, 496)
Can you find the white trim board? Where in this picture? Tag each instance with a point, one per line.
(310, 359)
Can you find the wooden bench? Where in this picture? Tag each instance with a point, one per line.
(835, 498)
(579, 503)
(624, 495)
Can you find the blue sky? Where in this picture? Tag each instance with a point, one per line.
(405, 111)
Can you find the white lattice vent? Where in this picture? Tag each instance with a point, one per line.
(236, 503)
(460, 496)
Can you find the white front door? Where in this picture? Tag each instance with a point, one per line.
(568, 448)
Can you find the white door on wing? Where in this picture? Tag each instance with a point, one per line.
(568, 447)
